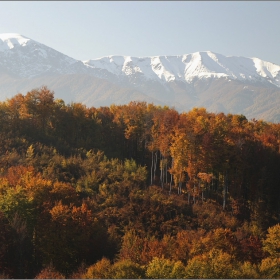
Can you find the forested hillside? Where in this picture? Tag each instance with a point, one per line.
(136, 191)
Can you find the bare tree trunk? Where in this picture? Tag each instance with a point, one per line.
(152, 168)
(155, 165)
(180, 187)
(161, 170)
(179, 184)
(171, 178)
(225, 190)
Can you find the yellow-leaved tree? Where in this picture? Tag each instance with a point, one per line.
(270, 266)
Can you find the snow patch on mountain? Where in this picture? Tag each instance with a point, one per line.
(11, 40)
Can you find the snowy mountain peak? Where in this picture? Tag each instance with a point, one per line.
(11, 40)
(186, 68)
(23, 57)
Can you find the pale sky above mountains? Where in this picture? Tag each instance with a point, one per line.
(92, 29)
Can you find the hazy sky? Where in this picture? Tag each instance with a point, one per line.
(88, 30)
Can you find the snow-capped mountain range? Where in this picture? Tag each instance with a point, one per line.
(219, 83)
(188, 67)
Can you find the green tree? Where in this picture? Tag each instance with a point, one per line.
(160, 268)
(126, 269)
(214, 264)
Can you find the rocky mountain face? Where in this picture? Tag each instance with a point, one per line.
(219, 83)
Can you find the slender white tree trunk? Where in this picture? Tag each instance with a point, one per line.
(155, 165)
(152, 168)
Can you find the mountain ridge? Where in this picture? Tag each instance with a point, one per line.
(232, 84)
(188, 66)
(184, 67)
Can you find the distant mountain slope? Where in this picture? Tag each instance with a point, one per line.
(22, 57)
(241, 85)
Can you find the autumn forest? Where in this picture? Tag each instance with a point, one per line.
(136, 191)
